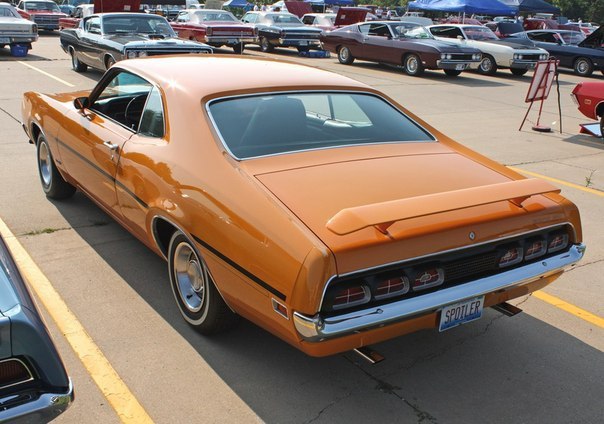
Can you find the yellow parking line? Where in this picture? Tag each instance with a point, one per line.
(555, 180)
(127, 407)
(571, 309)
(46, 73)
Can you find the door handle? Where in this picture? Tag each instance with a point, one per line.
(110, 145)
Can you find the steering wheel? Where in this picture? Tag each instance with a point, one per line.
(133, 111)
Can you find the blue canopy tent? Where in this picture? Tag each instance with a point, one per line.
(339, 2)
(235, 3)
(533, 6)
(479, 7)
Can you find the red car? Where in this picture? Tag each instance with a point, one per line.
(44, 13)
(214, 27)
(589, 96)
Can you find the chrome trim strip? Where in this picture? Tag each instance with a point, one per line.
(44, 408)
(316, 328)
(31, 377)
(351, 91)
(444, 252)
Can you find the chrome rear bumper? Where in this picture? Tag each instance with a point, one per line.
(317, 328)
(44, 408)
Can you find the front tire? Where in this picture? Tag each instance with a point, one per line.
(197, 298)
(583, 67)
(265, 45)
(109, 62)
(602, 126)
(76, 65)
(452, 72)
(53, 184)
(487, 66)
(518, 72)
(413, 65)
(345, 56)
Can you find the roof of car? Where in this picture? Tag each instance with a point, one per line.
(189, 75)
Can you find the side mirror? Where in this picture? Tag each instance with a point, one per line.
(81, 103)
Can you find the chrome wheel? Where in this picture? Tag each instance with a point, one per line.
(583, 67)
(45, 164)
(191, 277)
(345, 56)
(413, 65)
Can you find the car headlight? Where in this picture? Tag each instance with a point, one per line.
(446, 56)
(443, 56)
(142, 54)
(517, 56)
(476, 56)
(542, 57)
(131, 54)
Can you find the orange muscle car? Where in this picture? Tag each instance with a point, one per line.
(309, 203)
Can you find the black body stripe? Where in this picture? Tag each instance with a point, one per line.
(241, 269)
(105, 174)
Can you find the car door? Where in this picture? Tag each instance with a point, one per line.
(90, 146)
(88, 48)
(553, 43)
(378, 44)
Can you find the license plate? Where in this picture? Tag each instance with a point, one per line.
(460, 67)
(460, 313)
(4, 40)
(304, 43)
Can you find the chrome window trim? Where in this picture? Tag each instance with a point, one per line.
(443, 252)
(351, 91)
(31, 377)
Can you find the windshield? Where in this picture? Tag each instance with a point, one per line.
(215, 16)
(41, 5)
(8, 12)
(480, 33)
(121, 24)
(571, 37)
(286, 123)
(410, 31)
(282, 18)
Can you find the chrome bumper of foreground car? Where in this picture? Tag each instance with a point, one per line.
(522, 64)
(317, 328)
(44, 408)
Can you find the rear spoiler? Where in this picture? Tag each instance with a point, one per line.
(383, 215)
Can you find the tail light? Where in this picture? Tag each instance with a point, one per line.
(352, 296)
(510, 256)
(557, 242)
(391, 287)
(12, 372)
(535, 248)
(428, 277)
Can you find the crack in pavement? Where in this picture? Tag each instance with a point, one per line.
(328, 406)
(555, 160)
(54, 230)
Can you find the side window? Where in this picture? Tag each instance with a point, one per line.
(308, 20)
(93, 25)
(364, 29)
(379, 30)
(449, 32)
(249, 18)
(182, 17)
(123, 99)
(152, 121)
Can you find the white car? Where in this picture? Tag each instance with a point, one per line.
(14, 29)
(496, 53)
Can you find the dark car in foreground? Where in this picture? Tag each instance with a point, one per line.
(102, 39)
(399, 43)
(34, 386)
(279, 29)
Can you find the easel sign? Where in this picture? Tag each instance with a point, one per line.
(541, 84)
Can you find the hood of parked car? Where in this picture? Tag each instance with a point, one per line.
(146, 41)
(594, 40)
(516, 45)
(442, 46)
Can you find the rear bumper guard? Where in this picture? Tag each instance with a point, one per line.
(316, 328)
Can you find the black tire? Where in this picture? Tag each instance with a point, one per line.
(302, 49)
(53, 184)
(238, 48)
(76, 65)
(518, 72)
(413, 65)
(265, 45)
(197, 298)
(583, 67)
(487, 66)
(452, 72)
(602, 126)
(345, 56)
(109, 62)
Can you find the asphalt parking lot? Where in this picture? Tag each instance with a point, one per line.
(542, 366)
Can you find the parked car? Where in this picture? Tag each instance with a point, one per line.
(399, 43)
(323, 21)
(216, 28)
(243, 185)
(589, 97)
(102, 39)
(45, 13)
(34, 386)
(15, 30)
(281, 29)
(569, 48)
(74, 19)
(496, 53)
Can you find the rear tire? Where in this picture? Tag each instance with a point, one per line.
(109, 62)
(198, 300)
(53, 184)
(238, 48)
(76, 65)
(345, 56)
(266, 46)
(302, 49)
(602, 126)
(583, 67)
(518, 72)
(487, 66)
(452, 72)
(413, 65)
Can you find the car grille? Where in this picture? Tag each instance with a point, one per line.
(530, 57)
(179, 51)
(461, 57)
(46, 20)
(301, 34)
(231, 33)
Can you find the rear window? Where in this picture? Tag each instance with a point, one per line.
(283, 123)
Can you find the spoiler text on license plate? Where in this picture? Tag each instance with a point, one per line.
(460, 313)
